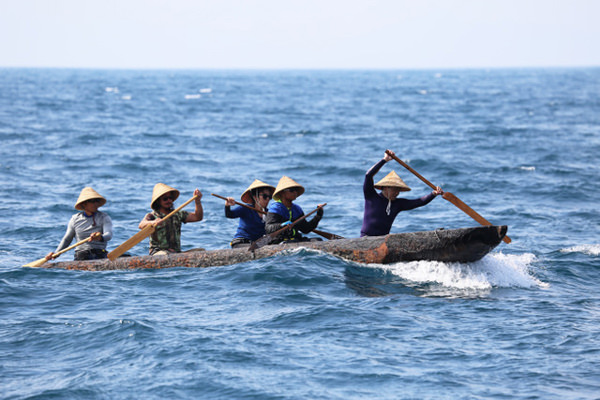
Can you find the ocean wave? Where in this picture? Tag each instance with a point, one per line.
(496, 270)
(589, 249)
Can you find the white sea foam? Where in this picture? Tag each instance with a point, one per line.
(126, 97)
(206, 90)
(589, 249)
(192, 96)
(526, 168)
(494, 270)
(112, 90)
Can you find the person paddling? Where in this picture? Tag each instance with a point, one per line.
(283, 211)
(252, 224)
(167, 236)
(382, 208)
(88, 222)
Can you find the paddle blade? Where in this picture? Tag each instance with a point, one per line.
(132, 241)
(327, 235)
(258, 243)
(36, 263)
(469, 211)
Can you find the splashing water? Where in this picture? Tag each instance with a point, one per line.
(494, 270)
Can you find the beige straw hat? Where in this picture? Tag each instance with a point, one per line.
(88, 194)
(159, 190)
(392, 180)
(257, 184)
(286, 183)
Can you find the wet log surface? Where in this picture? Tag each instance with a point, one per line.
(453, 245)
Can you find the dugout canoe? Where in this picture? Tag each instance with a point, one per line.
(446, 245)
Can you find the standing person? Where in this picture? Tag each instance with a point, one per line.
(283, 211)
(88, 222)
(381, 208)
(252, 224)
(167, 236)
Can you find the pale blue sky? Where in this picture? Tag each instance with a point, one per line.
(299, 34)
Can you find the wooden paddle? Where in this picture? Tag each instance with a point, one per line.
(265, 240)
(326, 235)
(144, 233)
(42, 261)
(449, 196)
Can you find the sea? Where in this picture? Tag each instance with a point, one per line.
(519, 146)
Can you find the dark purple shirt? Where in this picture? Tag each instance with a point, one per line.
(376, 222)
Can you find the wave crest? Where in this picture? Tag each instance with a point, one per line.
(589, 249)
(494, 270)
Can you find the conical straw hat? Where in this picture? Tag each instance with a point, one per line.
(159, 190)
(88, 194)
(257, 184)
(392, 180)
(286, 183)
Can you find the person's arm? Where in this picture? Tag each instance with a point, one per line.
(198, 214)
(409, 204)
(68, 238)
(65, 242)
(107, 229)
(368, 185)
(235, 212)
(274, 221)
(305, 226)
(149, 219)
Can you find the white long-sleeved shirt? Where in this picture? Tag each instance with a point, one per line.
(82, 226)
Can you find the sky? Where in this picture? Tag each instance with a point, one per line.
(307, 34)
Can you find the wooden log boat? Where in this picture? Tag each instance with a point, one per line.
(447, 245)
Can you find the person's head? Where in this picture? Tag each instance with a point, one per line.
(287, 190)
(89, 201)
(258, 193)
(163, 197)
(263, 196)
(391, 186)
(390, 192)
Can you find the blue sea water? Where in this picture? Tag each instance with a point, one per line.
(520, 146)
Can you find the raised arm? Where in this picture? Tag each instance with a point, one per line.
(198, 213)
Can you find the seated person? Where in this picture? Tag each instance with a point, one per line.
(167, 236)
(381, 208)
(283, 211)
(252, 224)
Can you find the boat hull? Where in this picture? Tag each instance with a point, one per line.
(452, 245)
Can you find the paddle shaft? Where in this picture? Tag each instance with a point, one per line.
(144, 233)
(326, 235)
(241, 204)
(58, 253)
(41, 261)
(448, 196)
(408, 167)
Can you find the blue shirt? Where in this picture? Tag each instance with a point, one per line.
(251, 224)
(289, 214)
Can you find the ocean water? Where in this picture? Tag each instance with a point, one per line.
(520, 146)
